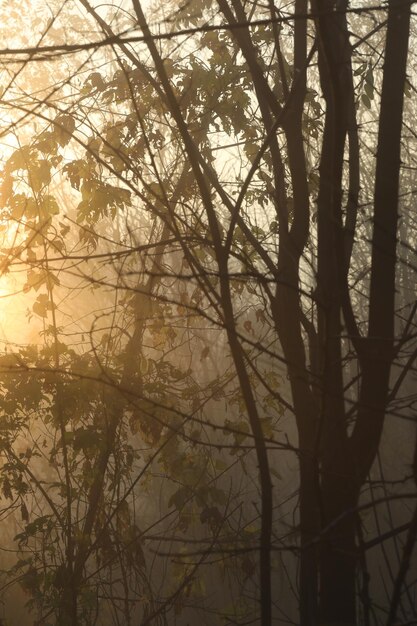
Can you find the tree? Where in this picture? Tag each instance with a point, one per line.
(280, 248)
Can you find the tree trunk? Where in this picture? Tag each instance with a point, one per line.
(345, 463)
(338, 553)
(338, 488)
(308, 577)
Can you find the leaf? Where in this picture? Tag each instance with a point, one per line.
(30, 580)
(64, 128)
(39, 309)
(34, 280)
(83, 438)
(39, 173)
(273, 227)
(96, 80)
(204, 353)
(33, 528)
(123, 517)
(360, 70)
(369, 78)
(179, 498)
(369, 90)
(20, 159)
(211, 515)
(47, 143)
(6, 188)
(24, 512)
(42, 305)
(6, 488)
(366, 101)
(248, 327)
(49, 205)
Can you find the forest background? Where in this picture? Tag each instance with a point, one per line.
(208, 313)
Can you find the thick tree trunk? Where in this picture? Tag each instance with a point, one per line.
(338, 553)
(339, 491)
(67, 613)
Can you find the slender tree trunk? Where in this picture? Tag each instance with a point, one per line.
(379, 346)
(309, 525)
(345, 463)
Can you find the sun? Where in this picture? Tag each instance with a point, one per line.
(14, 326)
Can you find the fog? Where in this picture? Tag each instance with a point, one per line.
(207, 314)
